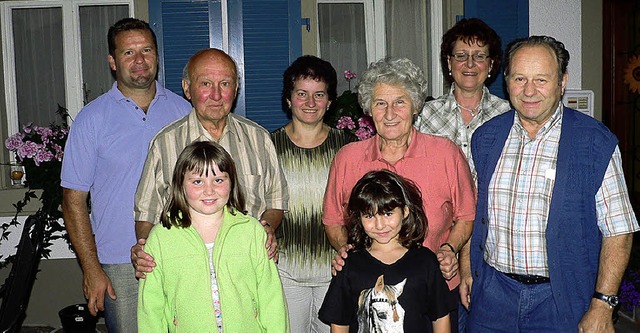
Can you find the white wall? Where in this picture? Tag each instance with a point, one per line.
(59, 248)
(561, 19)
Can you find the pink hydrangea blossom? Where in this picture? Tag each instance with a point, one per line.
(363, 133)
(44, 132)
(366, 122)
(14, 142)
(27, 150)
(43, 156)
(39, 144)
(346, 122)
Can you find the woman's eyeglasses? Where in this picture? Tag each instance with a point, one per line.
(462, 57)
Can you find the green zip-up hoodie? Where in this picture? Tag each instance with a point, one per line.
(176, 296)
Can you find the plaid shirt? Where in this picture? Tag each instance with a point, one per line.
(520, 196)
(442, 117)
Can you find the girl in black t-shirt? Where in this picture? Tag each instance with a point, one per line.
(389, 283)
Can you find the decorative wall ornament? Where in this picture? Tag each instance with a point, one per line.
(632, 74)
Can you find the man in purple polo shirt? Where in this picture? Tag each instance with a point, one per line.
(104, 156)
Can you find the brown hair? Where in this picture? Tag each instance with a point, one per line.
(127, 24)
(469, 31)
(382, 191)
(199, 156)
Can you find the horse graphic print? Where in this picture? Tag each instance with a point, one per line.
(379, 310)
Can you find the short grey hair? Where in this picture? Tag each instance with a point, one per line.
(394, 71)
(557, 47)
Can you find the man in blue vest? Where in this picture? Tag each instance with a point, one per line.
(554, 225)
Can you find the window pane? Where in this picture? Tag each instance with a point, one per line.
(37, 35)
(94, 25)
(406, 31)
(342, 39)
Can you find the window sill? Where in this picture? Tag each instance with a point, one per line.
(10, 196)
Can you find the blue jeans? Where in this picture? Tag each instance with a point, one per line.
(463, 314)
(120, 315)
(501, 304)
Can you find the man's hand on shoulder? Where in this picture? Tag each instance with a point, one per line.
(272, 242)
(142, 261)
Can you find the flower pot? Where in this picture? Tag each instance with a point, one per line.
(36, 177)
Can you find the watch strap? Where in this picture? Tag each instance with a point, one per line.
(612, 300)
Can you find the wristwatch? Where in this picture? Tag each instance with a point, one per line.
(612, 300)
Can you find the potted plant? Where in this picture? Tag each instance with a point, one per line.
(348, 114)
(40, 150)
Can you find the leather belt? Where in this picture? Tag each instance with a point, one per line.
(528, 279)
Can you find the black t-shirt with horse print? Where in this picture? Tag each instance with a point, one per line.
(371, 296)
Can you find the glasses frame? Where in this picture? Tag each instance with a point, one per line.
(463, 57)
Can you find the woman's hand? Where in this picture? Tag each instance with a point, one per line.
(338, 261)
(448, 261)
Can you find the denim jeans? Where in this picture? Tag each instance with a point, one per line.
(120, 315)
(501, 304)
(463, 314)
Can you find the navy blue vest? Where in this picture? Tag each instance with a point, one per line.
(572, 235)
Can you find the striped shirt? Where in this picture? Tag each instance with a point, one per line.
(259, 174)
(520, 196)
(442, 117)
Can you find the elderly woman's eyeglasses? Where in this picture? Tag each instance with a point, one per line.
(462, 57)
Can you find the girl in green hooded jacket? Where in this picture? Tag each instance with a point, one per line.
(212, 271)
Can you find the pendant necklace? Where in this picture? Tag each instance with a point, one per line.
(473, 111)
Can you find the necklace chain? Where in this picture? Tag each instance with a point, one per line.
(473, 111)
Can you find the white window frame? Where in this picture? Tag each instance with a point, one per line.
(71, 50)
(375, 35)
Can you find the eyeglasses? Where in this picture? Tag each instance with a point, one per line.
(462, 57)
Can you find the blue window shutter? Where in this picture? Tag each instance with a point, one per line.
(265, 37)
(509, 18)
(267, 46)
(182, 28)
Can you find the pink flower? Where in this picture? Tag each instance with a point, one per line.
(27, 150)
(367, 122)
(43, 131)
(348, 74)
(42, 155)
(27, 128)
(14, 142)
(363, 133)
(345, 122)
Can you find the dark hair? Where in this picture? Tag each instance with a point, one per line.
(562, 55)
(127, 24)
(308, 67)
(199, 156)
(382, 191)
(470, 31)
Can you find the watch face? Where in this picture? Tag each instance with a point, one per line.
(613, 300)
